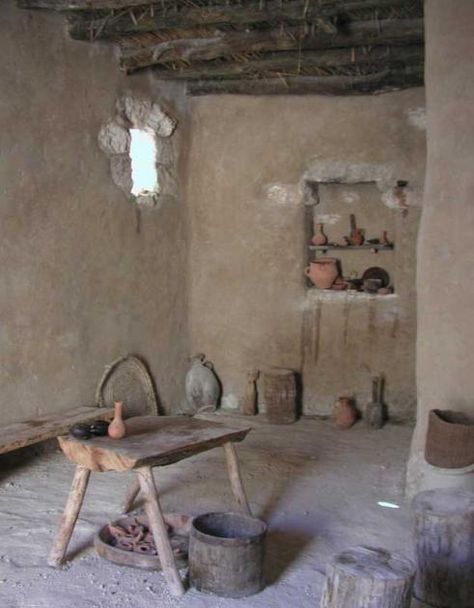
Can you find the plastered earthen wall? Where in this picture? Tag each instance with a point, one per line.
(84, 279)
(445, 348)
(248, 160)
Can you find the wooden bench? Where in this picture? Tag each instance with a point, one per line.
(21, 434)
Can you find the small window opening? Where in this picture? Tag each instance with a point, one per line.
(143, 157)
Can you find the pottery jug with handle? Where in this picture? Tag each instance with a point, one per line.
(202, 388)
(322, 272)
(344, 414)
(117, 429)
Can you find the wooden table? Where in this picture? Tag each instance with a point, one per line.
(151, 441)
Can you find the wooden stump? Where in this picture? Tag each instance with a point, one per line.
(279, 389)
(363, 577)
(444, 529)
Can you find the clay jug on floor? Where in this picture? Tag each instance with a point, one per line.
(344, 413)
(117, 428)
(201, 385)
(319, 237)
(322, 272)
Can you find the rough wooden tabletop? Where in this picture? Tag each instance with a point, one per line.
(150, 441)
(28, 432)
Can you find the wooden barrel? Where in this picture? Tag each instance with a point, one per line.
(365, 577)
(226, 554)
(279, 394)
(444, 546)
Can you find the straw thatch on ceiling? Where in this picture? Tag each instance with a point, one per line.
(258, 46)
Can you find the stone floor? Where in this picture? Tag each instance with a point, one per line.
(315, 486)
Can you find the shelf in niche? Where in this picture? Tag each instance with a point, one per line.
(313, 293)
(352, 247)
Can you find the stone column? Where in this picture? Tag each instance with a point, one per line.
(445, 277)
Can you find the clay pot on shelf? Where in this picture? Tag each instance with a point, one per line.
(117, 428)
(322, 272)
(319, 237)
(344, 413)
(384, 240)
(357, 235)
(339, 284)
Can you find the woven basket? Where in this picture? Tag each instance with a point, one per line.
(450, 440)
(279, 393)
(127, 379)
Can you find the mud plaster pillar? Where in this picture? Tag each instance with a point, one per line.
(445, 274)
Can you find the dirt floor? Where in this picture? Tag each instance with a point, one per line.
(315, 486)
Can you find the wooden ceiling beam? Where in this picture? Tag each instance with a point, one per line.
(328, 7)
(292, 64)
(84, 26)
(386, 80)
(369, 33)
(86, 5)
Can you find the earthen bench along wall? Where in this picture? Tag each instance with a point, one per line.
(445, 352)
(84, 278)
(248, 160)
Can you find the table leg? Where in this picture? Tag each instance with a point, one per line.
(159, 530)
(132, 493)
(236, 479)
(70, 515)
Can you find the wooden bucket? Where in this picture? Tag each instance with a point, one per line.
(279, 394)
(226, 554)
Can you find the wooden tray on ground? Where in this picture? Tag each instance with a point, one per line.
(179, 535)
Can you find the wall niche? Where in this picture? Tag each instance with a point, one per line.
(349, 335)
(335, 211)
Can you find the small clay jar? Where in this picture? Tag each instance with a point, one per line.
(117, 428)
(319, 237)
(322, 272)
(344, 413)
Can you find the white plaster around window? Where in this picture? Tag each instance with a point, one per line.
(115, 139)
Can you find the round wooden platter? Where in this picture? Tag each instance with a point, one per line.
(180, 527)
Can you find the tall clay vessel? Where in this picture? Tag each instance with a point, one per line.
(201, 385)
(357, 235)
(117, 428)
(249, 402)
(374, 414)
